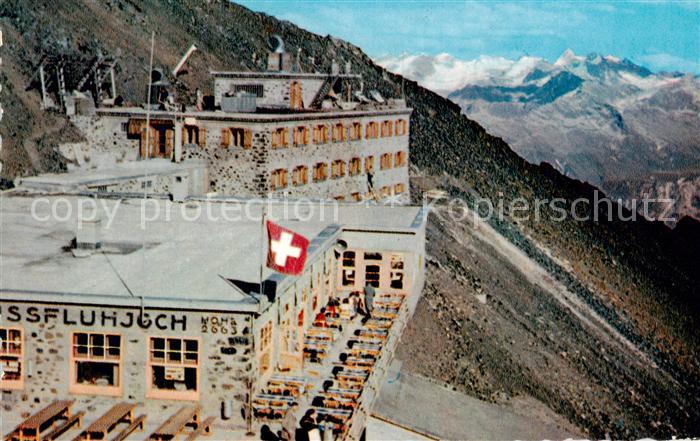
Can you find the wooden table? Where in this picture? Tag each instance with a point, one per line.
(32, 427)
(176, 424)
(104, 425)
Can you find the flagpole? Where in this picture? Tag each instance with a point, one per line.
(262, 245)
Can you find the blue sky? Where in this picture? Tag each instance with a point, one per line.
(662, 35)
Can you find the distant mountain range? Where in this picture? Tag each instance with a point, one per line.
(600, 119)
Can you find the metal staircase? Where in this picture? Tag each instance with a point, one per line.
(328, 83)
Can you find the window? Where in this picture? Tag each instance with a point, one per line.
(320, 172)
(372, 275)
(371, 130)
(385, 161)
(401, 127)
(399, 188)
(384, 191)
(396, 272)
(296, 101)
(278, 179)
(354, 166)
(338, 169)
(173, 368)
(300, 175)
(255, 89)
(339, 198)
(194, 135)
(369, 164)
(348, 269)
(264, 340)
(280, 137)
(11, 358)
(400, 159)
(236, 137)
(356, 196)
(338, 132)
(265, 336)
(320, 134)
(387, 129)
(96, 361)
(355, 131)
(125, 127)
(301, 135)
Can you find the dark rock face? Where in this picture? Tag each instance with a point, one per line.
(555, 87)
(638, 275)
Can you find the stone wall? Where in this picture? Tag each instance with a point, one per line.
(106, 142)
(226, 346)
(242, 171)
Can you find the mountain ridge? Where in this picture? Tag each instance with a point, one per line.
(596, 118)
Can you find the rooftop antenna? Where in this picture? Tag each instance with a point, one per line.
(148, 141)
(298, 60)
(182, 61)
(276, 44)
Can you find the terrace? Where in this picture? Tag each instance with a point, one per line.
(345, 361)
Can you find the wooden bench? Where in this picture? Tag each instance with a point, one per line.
(76, 419)
(280, 390)
(320, 332)
(378, 324)
(32, 427)
(103, 426)
(352, 385)
(287, 379)
(204, 429)
(177, 422)
(273, 400)
(138, 423)
(350, 393)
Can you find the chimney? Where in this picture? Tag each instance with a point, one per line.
(88, 234)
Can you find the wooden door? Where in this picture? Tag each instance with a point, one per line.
(295, 99)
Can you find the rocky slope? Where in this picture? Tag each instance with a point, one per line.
(598, 119)
(638, 276)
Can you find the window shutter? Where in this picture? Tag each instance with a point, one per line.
(169, 142)
(135, 126)
(247, 138)
(143, 148)
(202, 137)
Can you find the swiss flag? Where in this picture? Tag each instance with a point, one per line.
(287, 250)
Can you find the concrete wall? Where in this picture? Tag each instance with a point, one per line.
(225, 355)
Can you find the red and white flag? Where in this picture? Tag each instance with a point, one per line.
(287, 250)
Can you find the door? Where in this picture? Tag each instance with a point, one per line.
(295, 99)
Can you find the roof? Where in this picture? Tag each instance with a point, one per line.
(167, 260)
(105, 176)
(257, 117)
(281, 75)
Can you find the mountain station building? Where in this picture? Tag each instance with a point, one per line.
(144, 316)
(281, 132)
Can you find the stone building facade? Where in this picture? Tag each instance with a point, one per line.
(299, 138)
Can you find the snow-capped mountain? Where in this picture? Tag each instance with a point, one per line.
(597, 118)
